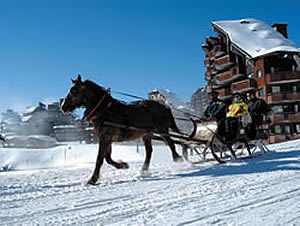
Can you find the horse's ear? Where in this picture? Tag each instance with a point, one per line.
(78, 80)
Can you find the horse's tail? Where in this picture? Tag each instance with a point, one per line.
(174, 126)
(173, 123)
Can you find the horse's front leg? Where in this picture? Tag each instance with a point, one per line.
(103, 147)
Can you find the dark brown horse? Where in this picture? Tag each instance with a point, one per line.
(115, 121)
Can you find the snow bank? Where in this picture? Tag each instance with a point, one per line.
(63, 155)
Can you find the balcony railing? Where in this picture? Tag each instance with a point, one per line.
(285, 117)
(222, 60)
(282, 76)
(282, 97)
(294, 117)
(247, 83)
(293, 96)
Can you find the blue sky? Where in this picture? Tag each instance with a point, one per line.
(132, 46)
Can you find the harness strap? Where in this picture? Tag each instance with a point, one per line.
(90, 116)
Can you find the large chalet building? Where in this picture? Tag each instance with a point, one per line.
(249, 54)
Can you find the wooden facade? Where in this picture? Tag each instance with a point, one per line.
(274, 76)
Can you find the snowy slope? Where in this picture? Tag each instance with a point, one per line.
(264, 190)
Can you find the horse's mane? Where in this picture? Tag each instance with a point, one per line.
(94, 86)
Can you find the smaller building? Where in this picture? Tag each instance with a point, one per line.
(180, 110)
(198, 101)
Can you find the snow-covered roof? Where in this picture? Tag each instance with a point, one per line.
(254, 37)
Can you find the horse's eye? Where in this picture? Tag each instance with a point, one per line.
(74, 91)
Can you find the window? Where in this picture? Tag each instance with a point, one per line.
(286, 108)
(298, 128)
(287, 129)
(296, 108)
(294, 89)
(258, 73)
(277, 109)
(261, 92)
(277, 129)
(275, 89)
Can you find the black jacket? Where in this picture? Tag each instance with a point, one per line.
(257, 108)
(215, 109)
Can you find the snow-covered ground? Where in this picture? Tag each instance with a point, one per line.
(49, 188)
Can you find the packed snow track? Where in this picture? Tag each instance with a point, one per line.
(262, 190)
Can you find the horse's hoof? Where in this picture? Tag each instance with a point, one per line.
(125, 165)
(122, 165)
(91, 182)
(178, 159)
(145, 169)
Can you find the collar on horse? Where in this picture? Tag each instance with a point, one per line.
(91, 116)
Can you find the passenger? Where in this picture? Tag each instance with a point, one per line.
(229, 127)
(216, 109)
(238, 107)
(257, 108)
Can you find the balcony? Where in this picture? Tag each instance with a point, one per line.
(222, 60)
(275, 98)
(294, 117)
(243, 85)
(282, 97)
(224, 76)
(286, 117)
(283, 77)
(293, 96)
(277, 118)
(224, 92)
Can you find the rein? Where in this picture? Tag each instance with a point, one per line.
(175, 109)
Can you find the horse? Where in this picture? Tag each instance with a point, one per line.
(115, 121)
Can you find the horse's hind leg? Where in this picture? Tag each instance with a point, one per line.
(148, 149)
(175, 155)
(118, 165)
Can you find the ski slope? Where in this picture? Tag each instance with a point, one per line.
(264, 190)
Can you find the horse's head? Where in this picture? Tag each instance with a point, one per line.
(84, 94)
(75, 97)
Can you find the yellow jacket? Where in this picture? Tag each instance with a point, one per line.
(237, 109)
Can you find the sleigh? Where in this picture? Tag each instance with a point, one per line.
(207, 142)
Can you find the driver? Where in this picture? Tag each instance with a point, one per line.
(216, 108)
